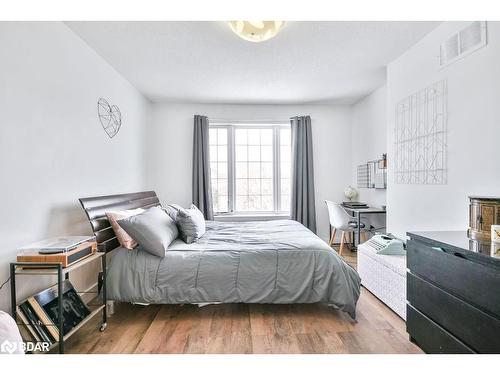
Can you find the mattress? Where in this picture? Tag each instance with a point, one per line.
(253, 262)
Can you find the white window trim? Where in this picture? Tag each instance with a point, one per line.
(252, 215)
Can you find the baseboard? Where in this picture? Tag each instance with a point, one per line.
(87, 297)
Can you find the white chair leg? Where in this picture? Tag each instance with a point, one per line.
(332, 238)
(342, 239)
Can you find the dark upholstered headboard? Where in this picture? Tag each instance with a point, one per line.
(96, 207)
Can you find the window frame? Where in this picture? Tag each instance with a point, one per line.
(231, 165)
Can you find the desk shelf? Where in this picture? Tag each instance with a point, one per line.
(56, 269)
(357, 212)
(94, 310)
(40, 269)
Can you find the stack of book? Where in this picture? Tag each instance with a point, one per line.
(40, 313)
(354, 204)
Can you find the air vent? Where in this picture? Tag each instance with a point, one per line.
(470, 37)
(466, 41)
(449, 49)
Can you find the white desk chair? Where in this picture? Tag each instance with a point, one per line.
(341, 220)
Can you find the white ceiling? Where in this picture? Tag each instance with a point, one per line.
(205, 62)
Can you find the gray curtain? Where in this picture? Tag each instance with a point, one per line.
(202, 190)
(303, 206)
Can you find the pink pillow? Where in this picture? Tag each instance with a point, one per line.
(113, 216)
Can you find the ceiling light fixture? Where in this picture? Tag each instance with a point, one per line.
(256, 31)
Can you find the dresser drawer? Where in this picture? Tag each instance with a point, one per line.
(471, 281)
(430, 337)
(479, 330)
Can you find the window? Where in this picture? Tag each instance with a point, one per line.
(250, 168)
(218, 141)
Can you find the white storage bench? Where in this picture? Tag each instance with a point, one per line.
(384, 276)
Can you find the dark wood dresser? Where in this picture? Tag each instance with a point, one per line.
(453, 293)
(483, 213)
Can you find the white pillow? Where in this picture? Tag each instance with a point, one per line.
(10, 337)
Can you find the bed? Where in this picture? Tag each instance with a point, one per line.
(252, 262)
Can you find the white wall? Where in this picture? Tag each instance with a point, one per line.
(473, 131)
(53, 149)
(369, 139)
(170, 140)
(369, 142)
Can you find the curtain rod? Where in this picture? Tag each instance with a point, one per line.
(229, 121)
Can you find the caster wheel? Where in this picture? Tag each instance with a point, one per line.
(103, 327)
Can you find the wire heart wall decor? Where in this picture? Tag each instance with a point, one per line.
(110, 117)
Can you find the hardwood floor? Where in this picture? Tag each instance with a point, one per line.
(247, 328)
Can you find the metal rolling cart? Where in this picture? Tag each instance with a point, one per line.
(62, 273)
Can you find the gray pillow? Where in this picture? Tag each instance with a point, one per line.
(191, 223)
(154, 230)
(172, 210)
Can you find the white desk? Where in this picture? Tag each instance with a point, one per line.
(357, 212)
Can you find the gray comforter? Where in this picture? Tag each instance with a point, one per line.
(253, 262)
